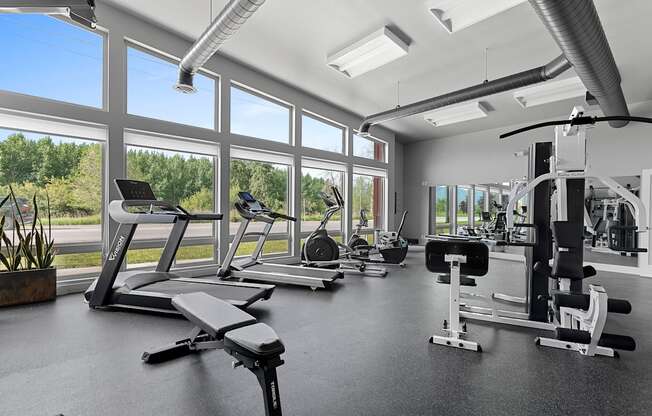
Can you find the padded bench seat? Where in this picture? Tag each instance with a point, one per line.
(214, 316)
(258, 340)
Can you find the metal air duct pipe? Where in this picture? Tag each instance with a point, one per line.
(234, 15)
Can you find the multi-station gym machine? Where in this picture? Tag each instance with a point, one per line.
(554, 299)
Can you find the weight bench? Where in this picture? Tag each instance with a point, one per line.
(454, 258)
(220, 325)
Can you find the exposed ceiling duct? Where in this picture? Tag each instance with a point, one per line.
(80, 11)
(518, 80)
(234, 15)
(576, 28)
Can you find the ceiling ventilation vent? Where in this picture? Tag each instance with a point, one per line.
(455, 15)
(368, 53)
(456, 114)
(550, 92)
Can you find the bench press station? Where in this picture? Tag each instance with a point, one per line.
(220, 325)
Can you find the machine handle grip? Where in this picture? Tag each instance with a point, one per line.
(278, 215)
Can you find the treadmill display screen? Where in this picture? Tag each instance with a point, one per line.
(135, 190)
(247, 197)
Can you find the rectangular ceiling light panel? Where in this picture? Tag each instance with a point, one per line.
(456, 114)
(550, 92)
(371, 52)
(456, 15)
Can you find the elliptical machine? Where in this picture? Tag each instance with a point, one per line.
(390, 247)
(356, 239)
(321, 250)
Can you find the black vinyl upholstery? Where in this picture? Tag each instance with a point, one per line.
(258, 339)
(212, 315)
(477, 256)
(568, 256)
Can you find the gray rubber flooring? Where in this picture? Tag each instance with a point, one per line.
(360, 349)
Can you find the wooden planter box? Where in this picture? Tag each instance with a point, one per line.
(28, 286)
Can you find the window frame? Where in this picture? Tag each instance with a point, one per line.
(329, 122)
(104, 33)
(374, 140)
(373, 173)
(267, 97)
(175, 60)
(189, 146)
(274, 158)
(38, 124)
(326, 165)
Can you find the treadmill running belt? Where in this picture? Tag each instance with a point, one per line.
(293, 271)
(238, 295)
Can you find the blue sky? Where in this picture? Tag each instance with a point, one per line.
(256, 117)
(320, 135)
(151, 92)
(49, 58)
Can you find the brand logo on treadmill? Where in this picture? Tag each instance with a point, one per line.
(272, 386)
(118, 247)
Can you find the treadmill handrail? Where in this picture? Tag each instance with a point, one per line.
(247, 213)
(118, 210)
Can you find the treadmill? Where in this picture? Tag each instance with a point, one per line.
(154, 290)
(252, 268)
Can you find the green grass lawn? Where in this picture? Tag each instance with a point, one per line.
(86, 220)
(151, 255)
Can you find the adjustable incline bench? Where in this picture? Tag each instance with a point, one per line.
(220, 325)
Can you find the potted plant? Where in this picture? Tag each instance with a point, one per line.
(26, 254)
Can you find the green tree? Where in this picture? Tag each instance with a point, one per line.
(18, 158)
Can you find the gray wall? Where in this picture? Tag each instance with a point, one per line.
(480, 157)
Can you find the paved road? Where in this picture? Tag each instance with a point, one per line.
(91, 233)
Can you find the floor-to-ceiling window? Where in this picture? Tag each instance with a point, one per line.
(462, 205)
(185, 178)
(480, 200)
(440, 207)
(171, 140)
(267, 177)
(319, 177)
(58, 178)
(368, 195)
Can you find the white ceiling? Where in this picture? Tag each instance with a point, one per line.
(290, 39)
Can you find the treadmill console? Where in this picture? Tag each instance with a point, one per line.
(250, 202)
(135, 190)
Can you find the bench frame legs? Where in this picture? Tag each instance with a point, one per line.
(265, 372)
(198, 340)
(453, 328)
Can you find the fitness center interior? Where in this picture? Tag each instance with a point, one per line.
(370, 207)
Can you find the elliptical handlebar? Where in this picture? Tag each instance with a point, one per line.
(337, 195)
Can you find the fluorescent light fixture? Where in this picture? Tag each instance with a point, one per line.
(550, 92)
(371, 52)
(455, 15)
(80, 11)
(456, 114)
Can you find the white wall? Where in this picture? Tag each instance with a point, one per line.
(481, 157)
